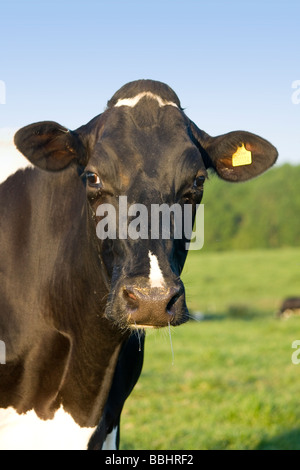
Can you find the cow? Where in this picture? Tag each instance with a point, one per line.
(289, 307)
(74, 307)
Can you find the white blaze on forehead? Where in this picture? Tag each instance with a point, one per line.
(134, 101)
(156, 277)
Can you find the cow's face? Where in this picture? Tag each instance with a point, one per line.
(143, 161)
(140, 161)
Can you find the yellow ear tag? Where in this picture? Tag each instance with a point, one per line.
(242, 157)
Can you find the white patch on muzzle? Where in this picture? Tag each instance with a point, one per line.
(156, 277)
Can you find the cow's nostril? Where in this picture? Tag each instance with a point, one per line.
(131, 299)
(171, 304)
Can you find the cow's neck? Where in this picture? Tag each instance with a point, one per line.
(67, 352)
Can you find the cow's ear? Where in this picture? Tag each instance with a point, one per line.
(236, 156)
(50, 146)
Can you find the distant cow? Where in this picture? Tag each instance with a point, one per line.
(71, 302)
(290, 307)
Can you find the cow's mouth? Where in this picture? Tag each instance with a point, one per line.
(137, 326)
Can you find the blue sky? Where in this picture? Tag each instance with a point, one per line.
(232, 63)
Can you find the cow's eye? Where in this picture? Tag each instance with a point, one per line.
(199, 181)
(93, 180)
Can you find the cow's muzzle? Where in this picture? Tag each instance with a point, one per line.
(153, 307)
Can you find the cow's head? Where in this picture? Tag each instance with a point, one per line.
(143, 152)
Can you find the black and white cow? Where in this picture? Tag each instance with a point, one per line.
(70, 300)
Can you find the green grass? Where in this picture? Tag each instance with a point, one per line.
(233, 384)
(258, 278)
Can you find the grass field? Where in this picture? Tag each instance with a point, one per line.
(233, 384)
(258, 279)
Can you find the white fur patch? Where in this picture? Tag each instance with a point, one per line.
(110, 442)
(28, 432)
(134, 101)
(156, 277)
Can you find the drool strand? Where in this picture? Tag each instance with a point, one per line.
(170, 336)
(139, 337)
